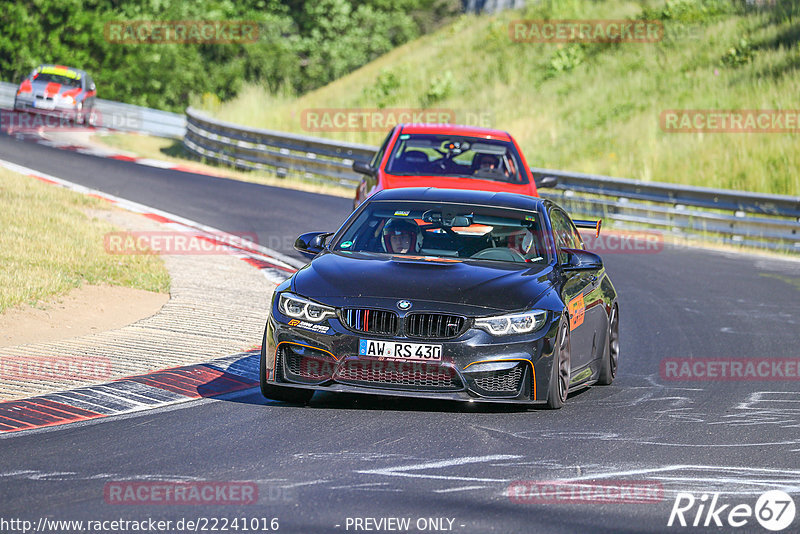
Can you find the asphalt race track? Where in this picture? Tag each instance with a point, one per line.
(276, 214)
(445, 466)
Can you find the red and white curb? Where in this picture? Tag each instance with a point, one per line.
(122, 156)
(160, 388)
(40, 136)
(133, 394)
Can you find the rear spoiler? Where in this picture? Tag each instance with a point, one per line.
(589, 224)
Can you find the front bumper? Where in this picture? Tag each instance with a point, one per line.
(58, 109)
(475, 366)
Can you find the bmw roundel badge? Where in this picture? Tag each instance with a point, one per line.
(404, 304)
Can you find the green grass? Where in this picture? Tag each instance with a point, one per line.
(50, 245)
(589, 107)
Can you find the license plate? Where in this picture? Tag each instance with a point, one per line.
(400, 351)
(44, 104)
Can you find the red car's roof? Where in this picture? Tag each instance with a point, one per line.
(394, 181)
(456, 129)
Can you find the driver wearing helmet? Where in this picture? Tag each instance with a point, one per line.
(402, 236)
(531, 246)
(488, 162)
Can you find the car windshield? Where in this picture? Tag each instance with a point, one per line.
(57, 78)
(451, 155)
(446, 231)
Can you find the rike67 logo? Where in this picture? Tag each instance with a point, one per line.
(774, 510)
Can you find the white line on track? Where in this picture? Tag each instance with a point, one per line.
(356, 486)
(308, 483)
(462, 488)
(403, 471)
(686, 467)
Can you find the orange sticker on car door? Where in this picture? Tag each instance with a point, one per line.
(576, 308)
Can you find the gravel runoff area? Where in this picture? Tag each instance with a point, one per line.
(217, 307)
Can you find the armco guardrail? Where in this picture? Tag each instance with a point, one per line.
(755, 219)
(7, 93)
(127, 117)
(250, 148)
(120, 116)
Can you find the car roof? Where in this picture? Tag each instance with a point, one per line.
(461, 196)
(455, 129)
(73, 69)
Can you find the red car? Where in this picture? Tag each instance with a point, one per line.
(447, 156)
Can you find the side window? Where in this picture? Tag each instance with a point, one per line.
(376, 160)
(564, 232)
(577, 240)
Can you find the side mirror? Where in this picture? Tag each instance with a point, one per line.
(363, 167)
(581, 260)
(545, 182)
(311, 243)
(92, 87)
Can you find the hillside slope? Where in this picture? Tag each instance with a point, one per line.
(590, 107)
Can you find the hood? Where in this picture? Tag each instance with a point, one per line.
(51, 89)
(471, 287)
(454, 182)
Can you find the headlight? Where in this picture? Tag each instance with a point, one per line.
(515, 323)
(300, 308)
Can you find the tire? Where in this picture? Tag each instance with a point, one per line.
(91, 118)
(560, 371)
(278, 393)
(608, 369)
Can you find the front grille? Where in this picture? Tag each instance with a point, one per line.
(372, 321)
(505, 381)
(434, 325)
(411, 375)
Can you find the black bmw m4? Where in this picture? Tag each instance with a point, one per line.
(446, 294)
